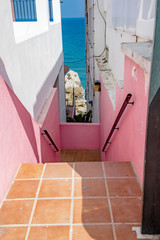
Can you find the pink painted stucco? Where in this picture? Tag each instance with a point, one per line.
(51, 123)
(20, 136)
(128, 143)
(80, 135)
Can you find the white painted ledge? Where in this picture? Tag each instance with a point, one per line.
(140, 53)
(143, 236)
(46, 107)
(26, 30)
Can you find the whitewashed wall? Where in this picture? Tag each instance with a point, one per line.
(99, 28)
(126, 21)
(31, 54)
(132, 16)
(89, 52)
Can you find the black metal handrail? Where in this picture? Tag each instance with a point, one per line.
(45, 132)
(126, 102)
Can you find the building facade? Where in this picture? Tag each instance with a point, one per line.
(124, 133)
(31, 52)
(119, 41)
(108, 24)
(31, 69)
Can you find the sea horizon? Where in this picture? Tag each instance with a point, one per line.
(73, 32)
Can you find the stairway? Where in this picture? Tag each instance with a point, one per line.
(72, 200)
(80, 155)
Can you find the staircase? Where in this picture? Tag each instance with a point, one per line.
(72, 200)
(80, 155)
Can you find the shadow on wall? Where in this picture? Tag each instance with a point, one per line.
(46, 88)
(27, 123)
(20, 135)
(49, 120)
(39, 145)
(23, 115)
(4, 74)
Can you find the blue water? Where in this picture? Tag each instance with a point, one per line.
(73, 31)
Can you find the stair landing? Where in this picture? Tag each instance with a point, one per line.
(78, 201)
(80, 155)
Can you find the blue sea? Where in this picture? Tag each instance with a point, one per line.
(73, 31)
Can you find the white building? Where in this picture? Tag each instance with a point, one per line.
(108, 24)
(31, 56)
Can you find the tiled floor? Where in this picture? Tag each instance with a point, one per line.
(80, 156)
(72, 201)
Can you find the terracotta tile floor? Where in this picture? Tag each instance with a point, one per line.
(72, 201)
(80, 156)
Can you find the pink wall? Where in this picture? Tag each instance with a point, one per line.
(51, 123)
(20, 136)
(79, 135)
(128, 143)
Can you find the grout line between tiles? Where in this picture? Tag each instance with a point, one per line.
(50, 198)
(64, 224)
(35, 203)
(17, 170)
(109, 203)
(73, 156)
(26, 179)
(10, 186)
(29, 179)
(127, 223)
(120, 177)
(18, 199)
(72, 204)
(90, 224)
(35, 225)
(89, 197)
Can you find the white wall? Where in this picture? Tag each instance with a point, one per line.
(146, 19)
(61, 86)
(126, 21)
(116, 57)
(91, 64)
(125, 14)
(89, 54)
(99, 28)
(31, 54)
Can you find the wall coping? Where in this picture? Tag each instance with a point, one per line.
(79, 124)
(140, 53)
(46, 107)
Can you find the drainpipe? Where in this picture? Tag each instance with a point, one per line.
(93, 56)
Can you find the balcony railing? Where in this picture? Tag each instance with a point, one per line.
(115, 127)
